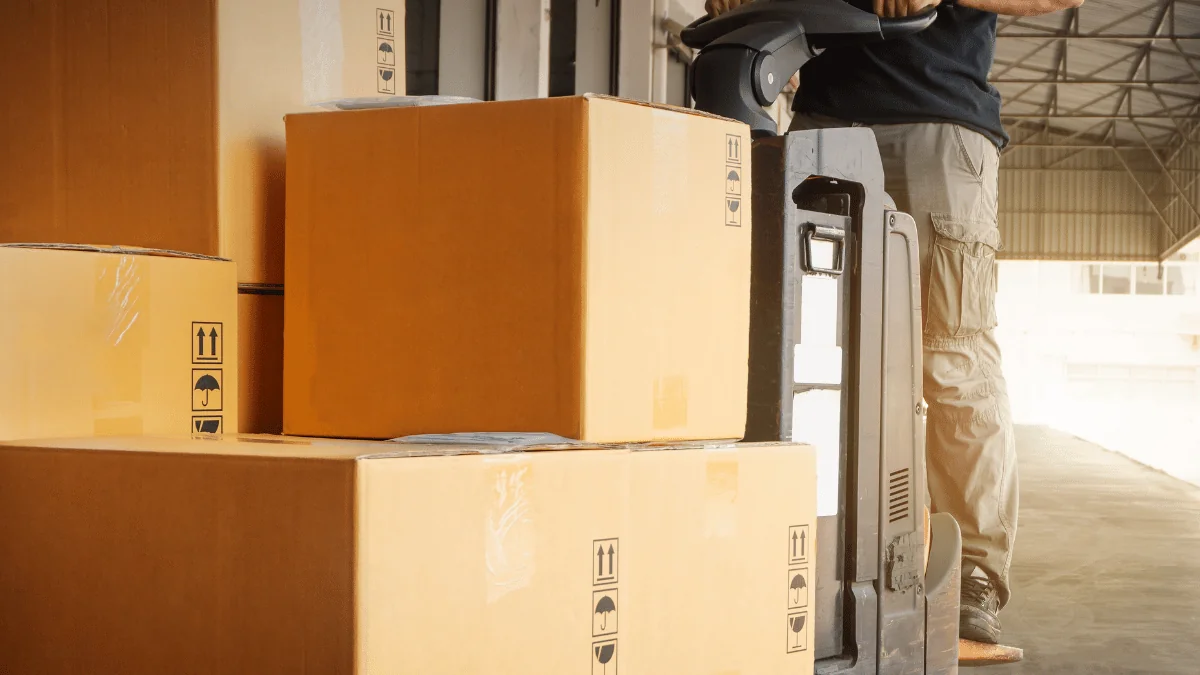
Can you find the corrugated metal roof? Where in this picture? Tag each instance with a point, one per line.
(1096, 61)
(1078, 85)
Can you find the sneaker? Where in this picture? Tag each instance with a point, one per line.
(977, 617)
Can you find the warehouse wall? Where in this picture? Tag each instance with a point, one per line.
(1081, 209)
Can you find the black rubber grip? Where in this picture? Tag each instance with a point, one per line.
(898, 28)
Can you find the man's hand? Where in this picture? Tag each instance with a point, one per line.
(719, 7)
(892, 9)
(1021, 7)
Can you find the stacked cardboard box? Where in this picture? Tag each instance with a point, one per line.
(575, 266)
(275, 555)
(578, 266)
(160, 125)
(114, 341)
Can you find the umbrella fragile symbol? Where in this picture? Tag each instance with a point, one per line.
(386, 53)
(207, 384)
(603, 608)
(797, 587)
(733, 182)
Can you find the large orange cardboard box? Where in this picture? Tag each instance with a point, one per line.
(146, 556)
(575, 265)
(116, 341)
(160, 124)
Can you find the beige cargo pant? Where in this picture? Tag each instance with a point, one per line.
(946, 177)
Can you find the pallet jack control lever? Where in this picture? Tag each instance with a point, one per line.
(747, 55)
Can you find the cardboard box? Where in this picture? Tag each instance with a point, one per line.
(160, 124)
(276, 555)
(569, 265)
(260, 364)
(108, 342)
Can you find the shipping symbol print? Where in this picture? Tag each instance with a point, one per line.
(387, 81)
(797, 635)
(605, 607)
(797, 588)
(798, 544)
(604, 613)
(798, 585)
(733, 181)
(604, 657)
(608, 554)
(208, 342)
(386, 52)
(207, 425)
(733, 212)
(384, 23)
(733, 149)
(206, 390)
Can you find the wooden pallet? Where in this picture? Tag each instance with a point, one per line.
(977, 654)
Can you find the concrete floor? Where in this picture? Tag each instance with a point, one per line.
(1106, 572)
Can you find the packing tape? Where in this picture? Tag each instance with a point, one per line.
(321, 50)
(720, 495)
(510, 533)
(670, 402)
(122, 293)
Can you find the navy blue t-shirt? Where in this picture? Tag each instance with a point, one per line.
(937, 75)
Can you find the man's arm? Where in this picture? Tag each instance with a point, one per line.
(1021, 7)
(901, 8)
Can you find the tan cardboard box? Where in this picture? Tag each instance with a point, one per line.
(260, 364)
(276, 555)
(160, 124)
(108, 342)
(573, 265)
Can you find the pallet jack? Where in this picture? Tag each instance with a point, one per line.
(888, 573)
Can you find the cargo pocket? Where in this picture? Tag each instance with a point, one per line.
(961, 298)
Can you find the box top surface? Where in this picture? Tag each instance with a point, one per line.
(291, 447)
(112, 250)
(585, 98)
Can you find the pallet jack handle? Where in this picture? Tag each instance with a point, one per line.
(747, 55)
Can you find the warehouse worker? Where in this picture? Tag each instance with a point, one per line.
(937, 121)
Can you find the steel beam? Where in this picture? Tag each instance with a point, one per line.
(1078, 116)
(1053, 146)
(1155, 27)
(1138, 83)
(1111, 118)
(1170, 177)
(1092, 36)
(1049, 169)
(1126, 17)
(1149, 200)
(1118, 83)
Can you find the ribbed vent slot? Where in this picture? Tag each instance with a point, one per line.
(898, 485)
